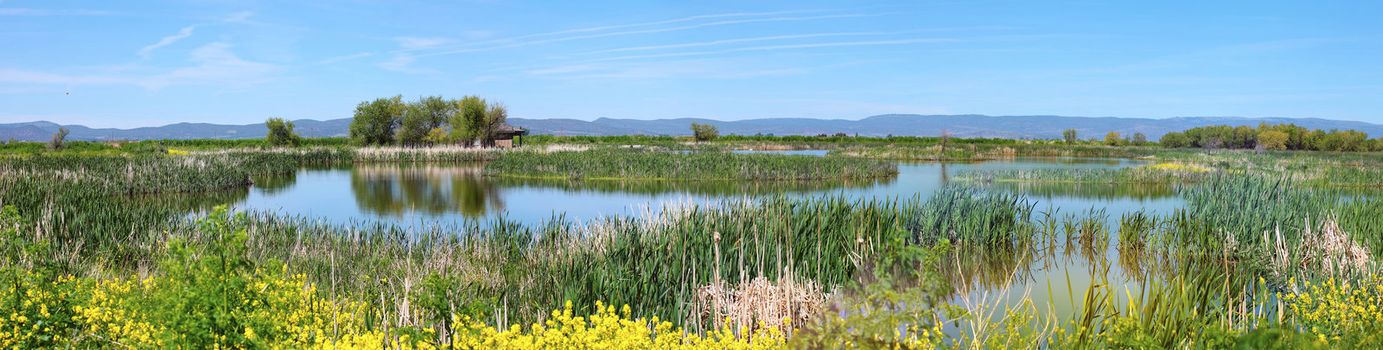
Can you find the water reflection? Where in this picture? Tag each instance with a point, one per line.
(427, 194)
(275, 184)
(395, 190)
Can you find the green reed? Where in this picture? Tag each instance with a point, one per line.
(712, 187)
(988, 151)
(637, 164)
(1140, 175)
(1134, 230)
(969, 216)
(653, 262)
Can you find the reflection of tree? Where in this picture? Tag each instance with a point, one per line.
(395, 189)
(474, 194)
(945, 176)
(271, 184)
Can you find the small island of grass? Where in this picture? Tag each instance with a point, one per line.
(640, 164)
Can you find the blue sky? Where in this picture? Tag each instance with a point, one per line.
(126, 64)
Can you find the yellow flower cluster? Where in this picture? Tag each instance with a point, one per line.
(290, 313)
(33, 310)
(177, 152)
(292, 307)
(107, 315)
(1331, 309)
(606, 329)
(1179, 167)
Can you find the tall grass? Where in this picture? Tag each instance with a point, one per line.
(712, 187)
(1159, 174)
(611, 163)
(516, 272)
(968, 216)
(989, 151)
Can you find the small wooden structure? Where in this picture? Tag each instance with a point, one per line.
(509, 136)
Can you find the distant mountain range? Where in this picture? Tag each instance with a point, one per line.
(881, 125)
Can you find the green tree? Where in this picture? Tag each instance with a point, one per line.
(1069, 135)
(376, 120)
(437, 136)
(495, 116)
(1112, 138)
(436, 110)
(280, 133)
(704, 132)
(421, 117)
(468, 120)
(1272, 140)
(1140, 139)
(1343, 141)
(1175, 140)
(413, 127)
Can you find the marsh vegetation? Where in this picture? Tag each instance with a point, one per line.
(134, 246)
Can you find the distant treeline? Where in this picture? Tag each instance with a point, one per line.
(1272, 137)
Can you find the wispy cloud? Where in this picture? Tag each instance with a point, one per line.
(347, 57)
(183, 33)
(636, 29)
(891, 42)
(213, 64)
(21, 76)
(241, 17)
(418, 43)
(695, 69)
(402, 59)
(656, 23)
(403, 63)
(735, 41)
(238, 17)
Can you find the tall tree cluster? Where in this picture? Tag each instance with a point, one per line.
(427, 121)
(1272, 137)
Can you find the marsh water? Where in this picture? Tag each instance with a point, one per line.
(430, 194)
(436, 194)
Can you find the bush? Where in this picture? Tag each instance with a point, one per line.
(1112, 139)
(1069, 135)
(704, 132)
(58, 138)
(281, 133)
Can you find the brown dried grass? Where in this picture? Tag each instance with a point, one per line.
(1329, 251)
(761, 303)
